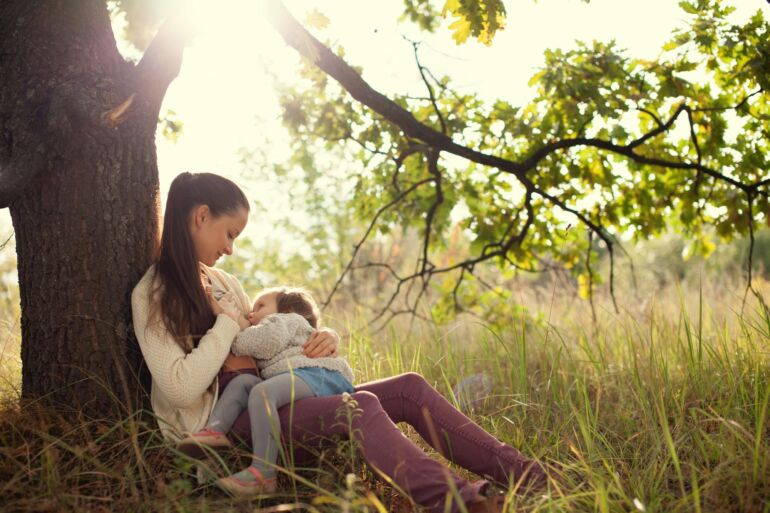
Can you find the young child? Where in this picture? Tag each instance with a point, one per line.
(279, 324)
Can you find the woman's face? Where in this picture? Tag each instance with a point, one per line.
(213, 236)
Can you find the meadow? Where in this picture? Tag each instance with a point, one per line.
(661, 406)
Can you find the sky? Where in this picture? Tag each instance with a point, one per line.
(224, 93)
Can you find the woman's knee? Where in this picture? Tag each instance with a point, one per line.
(412, 381)
(414, 393)
(365, 399)
(367, 403)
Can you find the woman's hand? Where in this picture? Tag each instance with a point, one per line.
(321, 343)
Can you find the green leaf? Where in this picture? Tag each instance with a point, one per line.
(461, 29)
(317, 19)
(450, 6)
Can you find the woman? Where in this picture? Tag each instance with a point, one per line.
(187, 350)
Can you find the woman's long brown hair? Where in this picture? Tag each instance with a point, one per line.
(182, 302)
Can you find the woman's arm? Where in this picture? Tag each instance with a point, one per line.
(322, 342)
(182, 377)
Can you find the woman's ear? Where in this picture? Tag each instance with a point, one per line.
(200, 215)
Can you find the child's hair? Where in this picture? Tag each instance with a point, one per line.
(299, 301)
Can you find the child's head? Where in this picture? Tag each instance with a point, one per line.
(285, 300)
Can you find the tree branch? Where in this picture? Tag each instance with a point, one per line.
(399, 161)
(357, 247)
(162, 60)
(598, 230)
(4, 244)
(421, 68)
(652, 115)
(749, 262)
(730, 107)
(591, 277)
(433, 169)
(309, 47)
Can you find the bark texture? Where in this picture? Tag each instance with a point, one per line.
(83, 196)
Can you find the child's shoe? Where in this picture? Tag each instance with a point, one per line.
(195, 444)
(247, 483)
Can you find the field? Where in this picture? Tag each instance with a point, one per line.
(660, 407)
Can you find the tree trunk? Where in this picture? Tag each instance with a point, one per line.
(83, 196)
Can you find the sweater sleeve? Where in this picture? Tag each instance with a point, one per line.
(265, 340)
(182, 377)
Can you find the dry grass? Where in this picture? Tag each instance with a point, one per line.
(662, 407)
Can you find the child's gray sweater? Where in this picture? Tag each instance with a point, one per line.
(276, 343)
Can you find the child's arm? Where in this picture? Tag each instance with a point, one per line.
(263, 341)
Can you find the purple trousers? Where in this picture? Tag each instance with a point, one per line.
(314, 422)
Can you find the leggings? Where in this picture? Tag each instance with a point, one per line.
(261, 399)
(311, 424)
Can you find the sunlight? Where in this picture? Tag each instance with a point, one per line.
(222, 89)
(226, 99)
(557, 266)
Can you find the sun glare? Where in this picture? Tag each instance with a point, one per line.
(222, 87)
(225, 96)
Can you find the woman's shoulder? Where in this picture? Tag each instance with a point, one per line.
(147, 277)
(144, 286)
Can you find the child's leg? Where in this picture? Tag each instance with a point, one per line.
(264, 401)
(232, 402)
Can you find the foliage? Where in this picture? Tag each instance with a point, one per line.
(611, 148)
(170, 125)
(307, 203)
(477, 18)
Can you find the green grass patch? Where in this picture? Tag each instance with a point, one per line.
(662, 408)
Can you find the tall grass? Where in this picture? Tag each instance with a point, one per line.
(662, 407)
(10, 333)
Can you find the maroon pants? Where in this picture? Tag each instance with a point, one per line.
(314, 422)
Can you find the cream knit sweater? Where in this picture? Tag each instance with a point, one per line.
(182, 397)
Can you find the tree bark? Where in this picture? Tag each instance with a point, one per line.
(83, 196)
